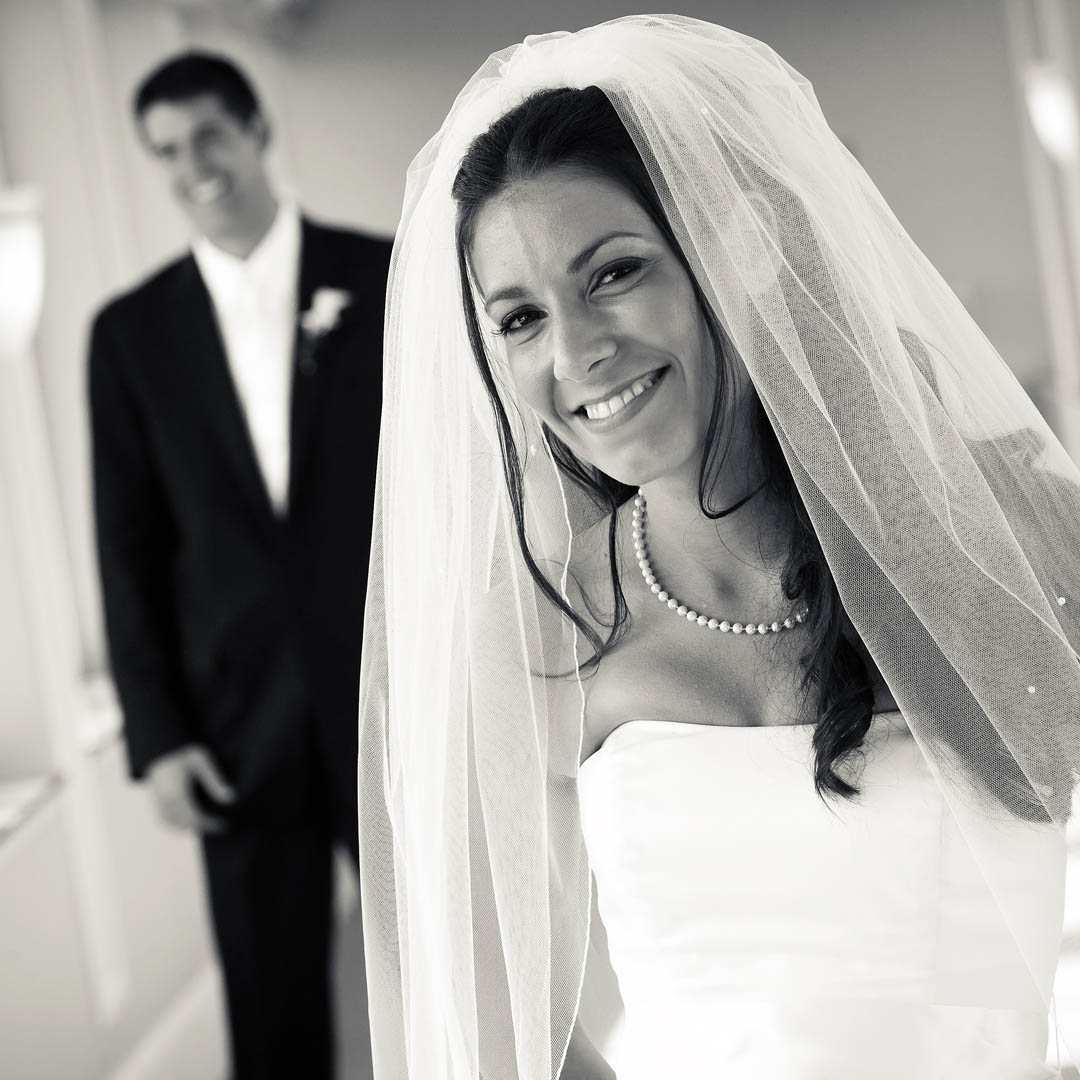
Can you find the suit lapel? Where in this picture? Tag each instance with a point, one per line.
(306, 380)
(198, 343)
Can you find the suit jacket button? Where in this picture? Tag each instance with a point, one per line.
(307, 365)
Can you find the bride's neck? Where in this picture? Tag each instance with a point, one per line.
(730, 558)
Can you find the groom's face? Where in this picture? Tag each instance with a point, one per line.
(214, 160)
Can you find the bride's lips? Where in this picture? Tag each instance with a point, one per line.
(629, 410)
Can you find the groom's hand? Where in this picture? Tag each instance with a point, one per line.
(175, 779)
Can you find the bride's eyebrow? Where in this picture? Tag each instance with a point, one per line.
(583, 256)
(515, 292)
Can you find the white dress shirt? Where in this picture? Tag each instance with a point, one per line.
(255, 302)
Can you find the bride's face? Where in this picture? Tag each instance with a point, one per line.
(602, 332)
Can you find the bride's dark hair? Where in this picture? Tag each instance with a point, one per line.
(581, 129)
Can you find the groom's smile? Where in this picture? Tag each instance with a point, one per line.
(205, 192)
(213, 160)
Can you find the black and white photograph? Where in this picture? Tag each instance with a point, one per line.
(539, 542)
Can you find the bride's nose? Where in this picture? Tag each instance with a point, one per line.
(580, 341)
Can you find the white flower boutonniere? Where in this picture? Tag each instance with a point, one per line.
(320, 319)
(325, 311)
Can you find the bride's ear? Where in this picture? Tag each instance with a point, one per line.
(763, 275)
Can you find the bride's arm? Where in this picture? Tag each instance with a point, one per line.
(584, 1061)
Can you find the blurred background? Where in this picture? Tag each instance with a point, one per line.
(962, 111)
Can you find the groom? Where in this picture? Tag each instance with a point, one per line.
(235, 399)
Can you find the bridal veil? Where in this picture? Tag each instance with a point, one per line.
(946, 508)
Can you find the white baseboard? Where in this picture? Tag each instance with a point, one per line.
(188, 1041)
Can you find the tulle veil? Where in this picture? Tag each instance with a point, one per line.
(946, 508)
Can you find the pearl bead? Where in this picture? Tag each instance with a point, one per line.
(691, 616)
(1061, 601)
(749, 628)
(725, 626)
(712, 624)
(650, 580)
(673, 604)
(1031, 689)
(681, 609)
(737, 628)
(789, 622)
(763, 628)
(775, 628)
(654, 586)
(643, 563)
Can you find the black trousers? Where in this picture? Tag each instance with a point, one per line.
(271, 902)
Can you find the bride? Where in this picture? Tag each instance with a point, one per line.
(721, 565)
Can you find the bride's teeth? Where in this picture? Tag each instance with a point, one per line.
(603, 409)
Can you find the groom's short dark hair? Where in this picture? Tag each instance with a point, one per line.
(192, 74)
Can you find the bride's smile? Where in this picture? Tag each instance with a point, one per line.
(608, 406)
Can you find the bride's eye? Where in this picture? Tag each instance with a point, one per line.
(517, 320)
(617, 272)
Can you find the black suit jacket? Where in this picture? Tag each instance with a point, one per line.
(227, 624)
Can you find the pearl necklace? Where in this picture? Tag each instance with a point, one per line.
(723, 625)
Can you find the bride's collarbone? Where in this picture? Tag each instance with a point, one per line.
(665, 668)
(692, 675)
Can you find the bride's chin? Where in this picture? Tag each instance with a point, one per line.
(640, 475)
(642, 465)
(632, 477)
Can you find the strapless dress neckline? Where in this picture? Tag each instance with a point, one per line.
(758, 932)
(893, 718)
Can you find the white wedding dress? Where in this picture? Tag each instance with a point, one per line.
(758, 933)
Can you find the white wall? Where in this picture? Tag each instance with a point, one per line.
(23, 744)
(101, 919)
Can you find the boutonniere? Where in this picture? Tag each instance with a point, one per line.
(325, 312)
(320, 319)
